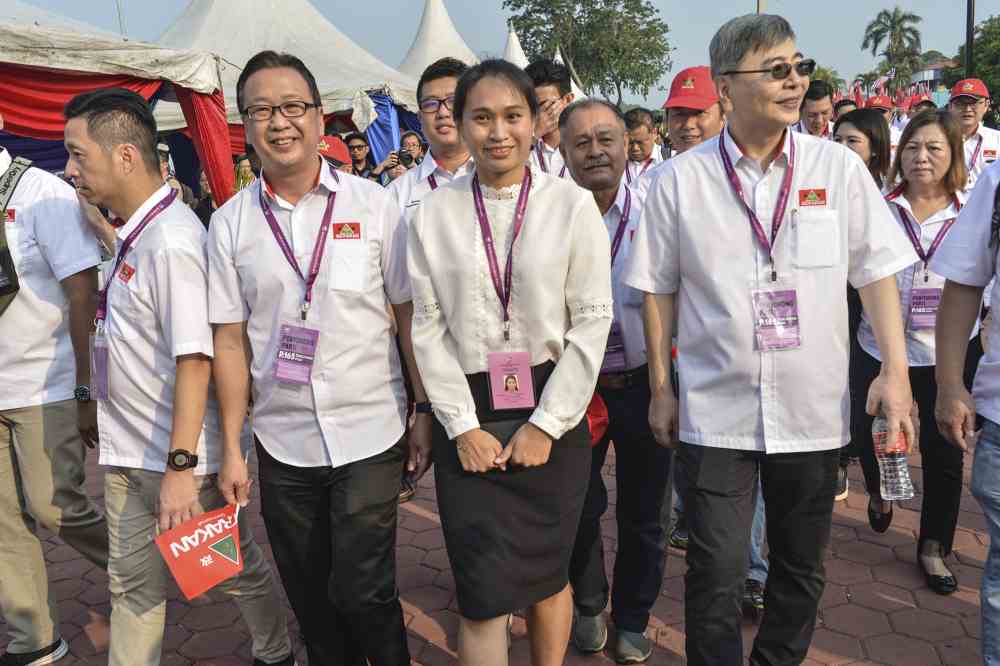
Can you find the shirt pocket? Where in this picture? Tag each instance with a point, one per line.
(817, 238)
(349, 265)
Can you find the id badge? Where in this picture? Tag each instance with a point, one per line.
(296, 354)
(511, 384)
(99, 365)
(614, 354)
(776, 318)
(923, 308)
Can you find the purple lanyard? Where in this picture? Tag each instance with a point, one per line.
(102, 295)
(779, 209)
(975, 153)
(433, 181)
(616, 244)
(286, 249)
(541, 160)
(628, 174)
(502, 288)
(909, 224)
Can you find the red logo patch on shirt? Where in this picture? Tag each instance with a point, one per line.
(12, 213)
(815, 197)
(989, 155)
(346, 231)
(126, 272)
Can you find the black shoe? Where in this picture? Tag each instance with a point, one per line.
(47, 655)
(406, 490)
(753, 595)
(841, 485)
(939, 584)
(879, 522)
(287, 661)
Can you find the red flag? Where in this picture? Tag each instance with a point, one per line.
(204, 551)
(859, 98)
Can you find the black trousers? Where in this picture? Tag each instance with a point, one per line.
(941, 462)
(854, 309)
(643, 473)
(798, 491)
(333, 534)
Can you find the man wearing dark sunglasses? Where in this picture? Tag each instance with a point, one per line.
(755, 233)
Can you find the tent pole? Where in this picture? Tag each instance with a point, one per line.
(121, 20)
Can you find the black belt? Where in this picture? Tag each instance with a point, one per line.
(618, 381)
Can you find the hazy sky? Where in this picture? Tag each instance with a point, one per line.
(828, 30)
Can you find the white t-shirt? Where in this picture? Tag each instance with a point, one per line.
(49, 241)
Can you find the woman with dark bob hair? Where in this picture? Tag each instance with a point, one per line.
(929, 172)
(510, 269)
(865, 132)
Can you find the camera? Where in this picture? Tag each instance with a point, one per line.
(405, 158)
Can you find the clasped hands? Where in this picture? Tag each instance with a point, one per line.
(479, 451)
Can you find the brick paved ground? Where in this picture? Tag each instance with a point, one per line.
(876, 608)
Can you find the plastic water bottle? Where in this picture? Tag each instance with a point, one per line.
(894, 470)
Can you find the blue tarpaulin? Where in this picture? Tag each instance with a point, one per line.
(383, 134)
(48, 155)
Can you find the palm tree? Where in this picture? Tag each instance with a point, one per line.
(896, 31)
(831, 76)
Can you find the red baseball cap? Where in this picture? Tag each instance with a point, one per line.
(692, 88)
(334, 147)
(920, 99)
(879, 102)
(970, 88)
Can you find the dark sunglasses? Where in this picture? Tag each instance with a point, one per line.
(781, 70)
(357, 146)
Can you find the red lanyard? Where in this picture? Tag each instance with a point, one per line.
(779, 209)
(914, 235)
(628, 174)
(286, 248)
(616, 244)
(975, 154)
(102, 295)
(541, 160)
(502, 287)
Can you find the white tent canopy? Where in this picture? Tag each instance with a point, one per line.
(513, 52)
(344, 71)
(31, 36)
(436, 38)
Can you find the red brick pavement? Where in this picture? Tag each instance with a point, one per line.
(876, 608)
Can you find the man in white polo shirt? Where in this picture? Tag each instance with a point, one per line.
(303, 267)
(970, 100)
(553, 86)
(448, 158)
(642, 153)
(755, 233)
(44, 365)
(816, 115)
(158, 418)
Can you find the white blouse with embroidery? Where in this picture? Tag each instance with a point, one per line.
(560, 306)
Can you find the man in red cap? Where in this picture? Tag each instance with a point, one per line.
(969, 101)
(921, 102)
(694, 114)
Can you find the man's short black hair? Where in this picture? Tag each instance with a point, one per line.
(639, 117)
(817, 90)
(356, 136)
(550, 73)
(440, 69)
(841, 103)
(275, 60)
(116, 116)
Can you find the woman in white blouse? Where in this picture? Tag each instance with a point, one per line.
(510, 270)
(931, 172)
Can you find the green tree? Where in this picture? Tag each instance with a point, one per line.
(831, 76)
(932, 57)
(612, 45)
(897, 35)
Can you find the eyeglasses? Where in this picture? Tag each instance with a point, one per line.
(288, 110)
(781, 70)
(356, 146)
(966, 101)
(432, 104)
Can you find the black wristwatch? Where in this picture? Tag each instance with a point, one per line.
(180, 460)
(82, 393)
(423, 408)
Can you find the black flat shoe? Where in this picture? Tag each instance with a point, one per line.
(879, 522)
(939, 584)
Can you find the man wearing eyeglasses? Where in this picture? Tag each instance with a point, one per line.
(447, 157)
(755, 233)
(303, 267)
(970, 100)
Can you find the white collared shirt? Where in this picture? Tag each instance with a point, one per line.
(554, 165)
(966, 257)
(355, 404)
(627, 301)
(560, 306)
(801, 128)
(695, 239)
(920, 348)
(895, 135)
(987, 154)
(49, 241)
(634, 171)
(410, 189)
(157, 311)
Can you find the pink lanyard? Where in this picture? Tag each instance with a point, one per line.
(542, 163)
(616, 244)
(779, 209)
(102, 295)
(975, 153)
(502, 287)
(628, 174)
(286, 249)
(433, 182)
(909, 224)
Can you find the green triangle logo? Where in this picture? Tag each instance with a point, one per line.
(227, 548)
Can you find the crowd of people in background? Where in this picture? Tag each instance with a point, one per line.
(741, 285)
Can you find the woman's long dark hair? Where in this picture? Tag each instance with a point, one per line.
(872, 124)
